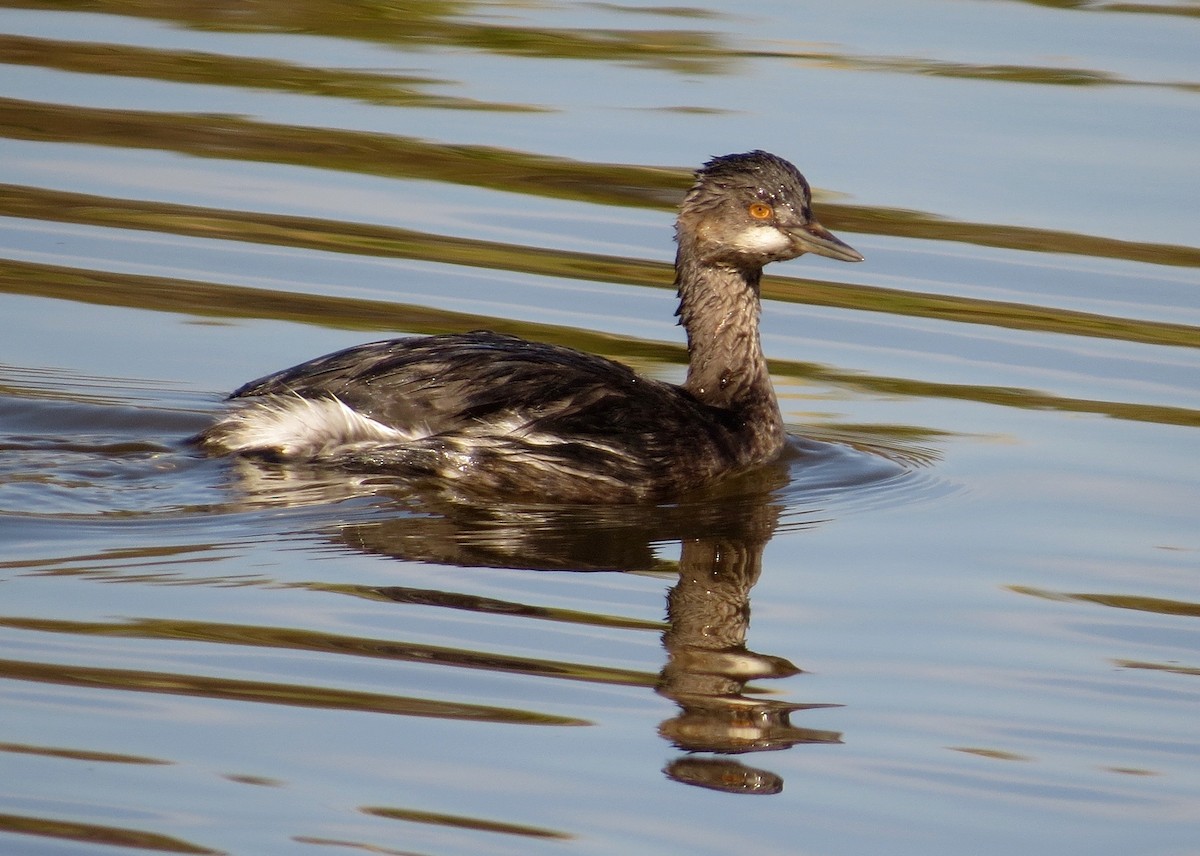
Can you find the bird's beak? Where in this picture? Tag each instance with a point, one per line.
(812, 237)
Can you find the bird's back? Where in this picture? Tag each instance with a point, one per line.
(494, 411)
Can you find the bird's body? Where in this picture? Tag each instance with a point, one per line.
(499, 415)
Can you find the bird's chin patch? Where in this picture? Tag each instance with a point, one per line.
(764, 241)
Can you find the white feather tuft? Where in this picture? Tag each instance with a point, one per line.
(302, 428)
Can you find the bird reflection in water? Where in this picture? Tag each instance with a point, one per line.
(722, 533)
(708, 667)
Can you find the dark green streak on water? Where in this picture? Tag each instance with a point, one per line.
(461, 822)
(1045, 75)
(184, 296)
(1162, 606)
(93, 833)
(79, 754)
(421, 23)
(91, 678)
(291, 639)
(390, 242)
(242, 72)
(501, 169)
(1182, 10)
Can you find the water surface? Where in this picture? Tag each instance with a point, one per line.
(959, 616)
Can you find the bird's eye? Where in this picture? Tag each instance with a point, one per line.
(760, 210)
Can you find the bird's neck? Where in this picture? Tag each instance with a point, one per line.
(719, 309)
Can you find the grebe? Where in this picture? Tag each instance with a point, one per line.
(500, 416)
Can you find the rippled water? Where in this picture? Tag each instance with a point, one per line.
(959, 617)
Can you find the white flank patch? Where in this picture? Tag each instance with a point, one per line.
(302, 427)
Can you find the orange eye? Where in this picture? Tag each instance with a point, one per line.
(760, 210)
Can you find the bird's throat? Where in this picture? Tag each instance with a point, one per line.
(719, 309)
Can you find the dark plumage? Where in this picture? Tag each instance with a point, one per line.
(501, 415)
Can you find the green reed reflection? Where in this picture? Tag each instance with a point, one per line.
(80, 754)
(461, 822)
(94, 833)
(1120, 601)
(431, 22)
(293, 639)
(500, 169)
(1178, 9)
(293, 695)
(1045, 75)
(174, 295)
(243, 72)
(391, 242)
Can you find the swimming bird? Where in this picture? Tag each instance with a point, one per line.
(500, 416)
